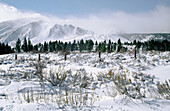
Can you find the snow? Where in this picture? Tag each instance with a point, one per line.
(162, 72)
(47, 30)
(22, 90)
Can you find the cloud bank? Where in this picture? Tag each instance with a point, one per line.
(153, 21)
(11, 13)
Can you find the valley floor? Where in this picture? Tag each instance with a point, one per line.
(114, 82)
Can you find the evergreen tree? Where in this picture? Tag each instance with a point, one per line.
(89, 45)
(53, 46)
(119, 45)
(114, 46)
(69, 46)
(96, 46)
(65, 46)
(81, 45)
(109, 46)
(45, 47)
(138, 44)
(30, 46)
(3, 48)
(57, 46)
(35, 48)
(151, 45)
(7, 49)
(73, 46)
(134, 42)
(24, 47)
(102, 47)
(165, 45)
(41, 48)
(18, 45)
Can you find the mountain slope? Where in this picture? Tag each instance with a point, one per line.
(10, 31)
(146, 37)
(40, 30)
(16, 24)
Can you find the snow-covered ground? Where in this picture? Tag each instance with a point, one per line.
(114, 82)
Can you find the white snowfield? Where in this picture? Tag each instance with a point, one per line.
(114, 82)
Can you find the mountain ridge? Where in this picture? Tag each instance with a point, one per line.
(40, 30)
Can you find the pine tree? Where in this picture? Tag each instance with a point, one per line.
(114, 47)
(96, 46)
(30, 46)
(53, 46)
(81, 45)
(3, 48)
(109, 47)
(134, 42)
(119, 45)
(24, 47)
(89, 45)
(45, 47)
(73, 46)
(165, 45)
(35, 48)
(138, 44)
(102, 47)
(7, 49)
(18, 45)
(57, 46)
(151, 45)
(65, 46)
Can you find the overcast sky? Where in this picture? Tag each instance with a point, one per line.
(100, 16)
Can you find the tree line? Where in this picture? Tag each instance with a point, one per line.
(83, 45)
(90, 45)
(157, 45)
(5, 49)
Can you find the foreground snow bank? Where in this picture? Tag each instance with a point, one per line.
(115, 82)
(162, 72)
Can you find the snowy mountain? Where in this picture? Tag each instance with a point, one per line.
(40, 30)
(15, 24)
(10, 31)
(146, 37)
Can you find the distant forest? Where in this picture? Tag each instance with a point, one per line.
(83, 45)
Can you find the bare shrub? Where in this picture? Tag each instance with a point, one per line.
(135, 88)
(39, 70)
(59, 76)
(164, 89)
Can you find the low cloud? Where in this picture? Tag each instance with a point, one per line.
(153, 21)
